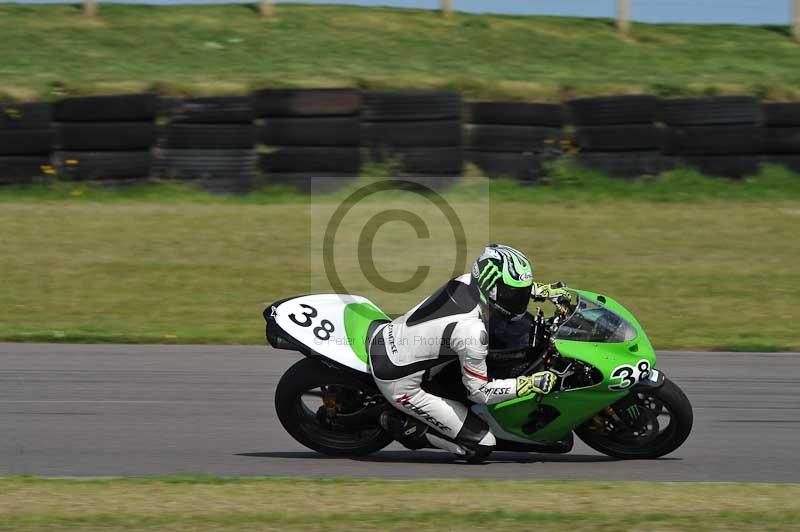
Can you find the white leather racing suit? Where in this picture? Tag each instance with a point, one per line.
(445, 328)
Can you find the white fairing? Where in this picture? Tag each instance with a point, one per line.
(320, 325)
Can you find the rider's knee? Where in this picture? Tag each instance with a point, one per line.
(475, 433)
(488, 440)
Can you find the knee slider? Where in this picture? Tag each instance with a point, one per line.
(475, 432)
(488, 440)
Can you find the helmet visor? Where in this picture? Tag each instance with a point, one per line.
(513, 300)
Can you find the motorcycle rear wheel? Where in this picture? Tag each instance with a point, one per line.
(652, 442)
(311, 427)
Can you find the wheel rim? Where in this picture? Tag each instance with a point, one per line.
(316, 410)
(644, 423)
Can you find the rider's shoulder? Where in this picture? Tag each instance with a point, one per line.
(471, 327)
(465, 279)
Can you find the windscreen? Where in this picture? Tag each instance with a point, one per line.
(594, 323)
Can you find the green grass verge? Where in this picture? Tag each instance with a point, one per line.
(708, 269)
(283, 504)
(565, 182)
(48, 50)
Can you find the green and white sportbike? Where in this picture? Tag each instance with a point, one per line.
(609, 392)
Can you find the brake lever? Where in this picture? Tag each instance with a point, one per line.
(566, 373)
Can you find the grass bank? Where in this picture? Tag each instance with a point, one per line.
(565, 182)
(87, 265)
(282, 504)
(51, 49)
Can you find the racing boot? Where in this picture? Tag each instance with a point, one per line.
(471, 452)
(406, 430)
(473, 443)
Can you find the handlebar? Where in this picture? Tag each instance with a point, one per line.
(562, 303)
(543, 329)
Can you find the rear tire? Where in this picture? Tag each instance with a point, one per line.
(303, 425)
(676, 402)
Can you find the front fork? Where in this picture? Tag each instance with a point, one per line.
(626, 411)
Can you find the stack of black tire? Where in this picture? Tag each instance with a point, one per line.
(781, 134)
(310, 138)
(418, 133)
(718, 135)
(510, 139)
(105, 137)
(26, 142)
(210, 139)
(618, 135)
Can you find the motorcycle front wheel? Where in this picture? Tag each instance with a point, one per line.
(330, 411)
(646, 424)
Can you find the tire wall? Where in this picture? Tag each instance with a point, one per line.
(414, 134)
(27, 141)
(781, 134)
(618, 135)
(208, 139)
(100, 138)
(317, 139)
(718, 136)
(510, 139)
(308, 139)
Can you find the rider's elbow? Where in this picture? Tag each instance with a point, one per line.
(477, 397)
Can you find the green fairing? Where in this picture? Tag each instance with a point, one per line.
(577, 406)
(357, 319)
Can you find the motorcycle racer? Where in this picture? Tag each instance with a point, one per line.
(452, 325)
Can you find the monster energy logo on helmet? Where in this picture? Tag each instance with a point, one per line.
(489, 276)
(503, 277)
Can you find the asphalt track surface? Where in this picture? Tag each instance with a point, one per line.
(73, 410)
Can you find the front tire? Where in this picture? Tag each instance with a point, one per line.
(652, 439)
(312, 426)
